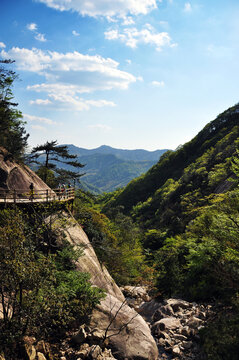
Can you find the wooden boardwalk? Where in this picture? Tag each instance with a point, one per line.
(23, 196)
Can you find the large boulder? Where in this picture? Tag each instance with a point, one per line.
(17, 176)
(126, 332)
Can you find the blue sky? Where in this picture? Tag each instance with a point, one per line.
(126, 73)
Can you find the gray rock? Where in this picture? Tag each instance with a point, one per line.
(186, 331)
(176, 350)
(148, 309)
(158, 315)
(180, 337)
(167, 310)
(194, 322)
(127, 333)
(177, 303)
(95, 351)
(168, 323)
(187, 344)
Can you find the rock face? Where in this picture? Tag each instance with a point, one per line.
(175, 325)
(16, 176)
(122, 328)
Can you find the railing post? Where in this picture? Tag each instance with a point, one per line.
(14, 196)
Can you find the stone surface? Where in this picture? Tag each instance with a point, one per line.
(40, 356)
(194, 322)
(17, 176)
(128, 335)
(178, 303)
(169, 323)
(88, 262)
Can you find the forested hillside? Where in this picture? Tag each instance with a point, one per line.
(107, 168)
(187, 206)
(201, 163)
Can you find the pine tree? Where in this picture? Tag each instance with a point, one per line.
(53, 154)
(13, 136)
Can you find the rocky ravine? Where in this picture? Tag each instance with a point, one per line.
(174, 323)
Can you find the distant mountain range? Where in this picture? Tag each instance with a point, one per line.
(108, 168)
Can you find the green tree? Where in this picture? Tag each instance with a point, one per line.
(52, 154)
(41, 292)
(13, 135)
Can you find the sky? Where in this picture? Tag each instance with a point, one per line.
(131, 74)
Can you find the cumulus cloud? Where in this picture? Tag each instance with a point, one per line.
(132, 37)
(40, 102)
(2, 45)
(105, 8)
(187, 7)
(69, 74)
(157, 83)
(32, 27)
(34, 118)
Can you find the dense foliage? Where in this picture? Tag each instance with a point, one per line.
(187, 207)
(52, 154)
(117, 242)
(41, 292)
(212, 146)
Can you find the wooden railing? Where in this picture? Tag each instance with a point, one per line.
(26, 196)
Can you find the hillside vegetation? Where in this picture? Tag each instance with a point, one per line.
(187, 206)
(203, 163)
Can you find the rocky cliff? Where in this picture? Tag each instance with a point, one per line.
(17, 176)
(125, 331)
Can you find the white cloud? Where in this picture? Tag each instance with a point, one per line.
(40, 37)
(34, 118)
(128, 20)
(40, 102)
(75, 33)
(74, 103)
(187, 7)
(32, 27)
(68, 75)
(71, 72)
(157, 83)
(128, 61)
(103, 127)
(106, 8)
(132, 37)
(2, 45)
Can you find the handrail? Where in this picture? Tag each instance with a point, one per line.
(28, 195)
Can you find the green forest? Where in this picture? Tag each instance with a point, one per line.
(174, 228)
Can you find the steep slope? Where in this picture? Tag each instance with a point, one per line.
(191, 173)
